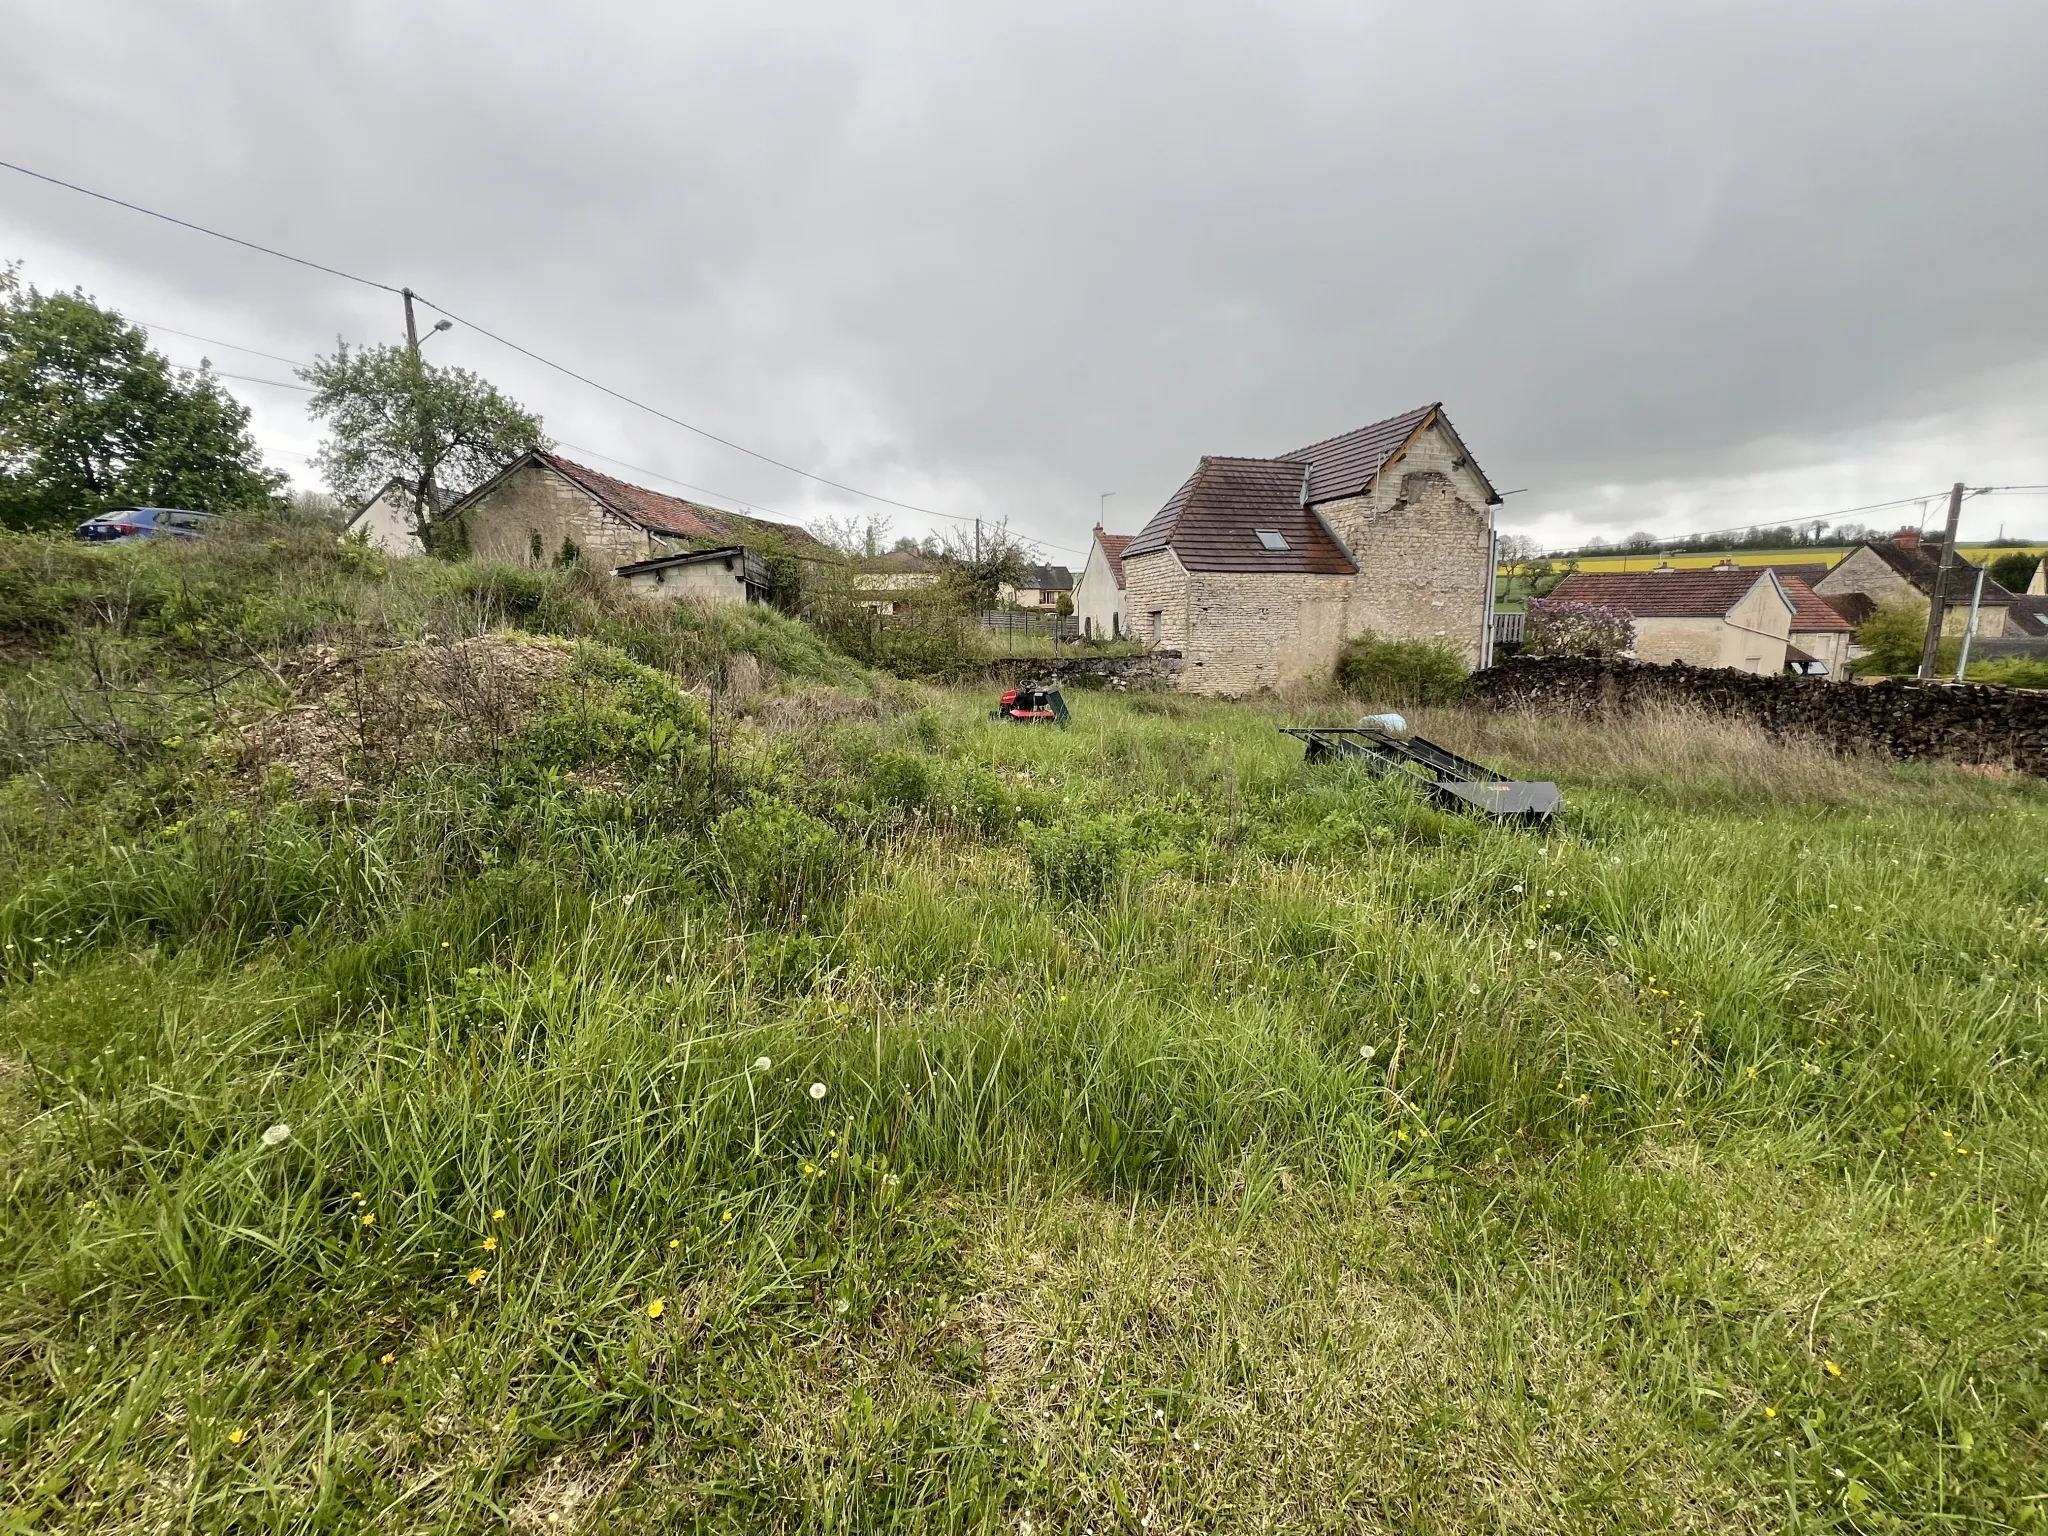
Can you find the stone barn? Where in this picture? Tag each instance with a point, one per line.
(543, 509)
(1259, 569)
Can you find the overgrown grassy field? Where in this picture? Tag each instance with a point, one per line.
(666, 1078)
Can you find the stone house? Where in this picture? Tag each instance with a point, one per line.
(386, 521)
(1257, 570)
(735, 574)
(1739, 618)
(543, 509)
(1818, 634)
(1900, 568)
(1101, 608)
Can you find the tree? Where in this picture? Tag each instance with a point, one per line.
(1516, 550)
(2014, 572)
(857, 538)
(91, 418)
(440, 432)
(981, 562)
(1891, 639)
(1577, 629)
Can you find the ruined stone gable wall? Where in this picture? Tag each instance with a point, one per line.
(1421, 538)
(1249, 632)
(1157, 584)
(502, 524)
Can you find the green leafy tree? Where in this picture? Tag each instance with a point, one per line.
(1892, 637)
(91, 418)
(2014, 572)
(390, 415)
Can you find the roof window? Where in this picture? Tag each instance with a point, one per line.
(1271, 538)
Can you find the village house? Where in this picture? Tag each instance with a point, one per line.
(885, 584)
(1739, 617)
(386, 521)
(1042, 587)
(1257, 570)
(543, 509)
(1100, 606)
(1900, 568)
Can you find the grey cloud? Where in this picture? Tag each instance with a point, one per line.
(998, 259)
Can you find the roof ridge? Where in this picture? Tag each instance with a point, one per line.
(1419, 410)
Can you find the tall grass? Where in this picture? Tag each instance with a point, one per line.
(950, 1125)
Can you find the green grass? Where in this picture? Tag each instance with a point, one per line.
(1206, 1143)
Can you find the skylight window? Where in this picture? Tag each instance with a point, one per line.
(1271, 538)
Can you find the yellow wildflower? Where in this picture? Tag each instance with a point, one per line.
(386, 1359)
(1831, 1368)
(476, 1277)
(368, 1218)
(656, 1307)
(674, 1243)
(1770, 1412)
(490, 1245)
(498, 1214)
(237, 1436)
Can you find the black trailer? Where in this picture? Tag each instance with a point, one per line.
(1452, 780)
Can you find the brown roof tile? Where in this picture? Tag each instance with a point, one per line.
(1811, 612)
(1113, 546)
(1213, 522)
(1661, 594)
(1347, 464)
(1920, 567)
(670, 515)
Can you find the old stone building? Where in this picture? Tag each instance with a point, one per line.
(386, 521)
(543, 509)
(1900, 568)
(1259, 569)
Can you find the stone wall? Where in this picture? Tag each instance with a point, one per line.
(1957, 722)
(538, 503)
(1116, 674)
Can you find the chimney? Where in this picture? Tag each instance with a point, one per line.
(1907, 538)
(1727, 565)
(1666, 568)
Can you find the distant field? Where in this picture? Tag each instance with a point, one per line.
(1828, 554)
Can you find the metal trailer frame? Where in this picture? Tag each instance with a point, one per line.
(1454, 781)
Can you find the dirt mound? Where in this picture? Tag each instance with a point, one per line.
(362, 720)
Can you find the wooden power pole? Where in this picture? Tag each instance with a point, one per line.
(1932, 645)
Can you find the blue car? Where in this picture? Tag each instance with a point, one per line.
(144, 523)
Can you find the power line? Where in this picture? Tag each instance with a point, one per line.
(214, 341)
(502, 341)
(240, 378)
(72, 186)
(656, 411)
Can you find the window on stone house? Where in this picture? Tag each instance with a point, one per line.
(1271, 538)
(1753, 663)
(1158, 622)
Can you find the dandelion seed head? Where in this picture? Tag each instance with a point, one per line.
(762, 1063)
(1367, 1052)
(817, 1090)
(277, 1135)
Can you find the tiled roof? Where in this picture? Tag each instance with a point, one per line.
(1047, 578)
(1213, 522)
(1920, 568)
(658, 513)
(1347, 464)
(1113, 547)
(1810, 611)
(1664, 594)
(2029, 612)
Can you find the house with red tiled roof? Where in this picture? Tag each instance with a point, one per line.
(1819, 637)
(1100, 605)
(1257, 570)
(1740, 617)
(543, 509)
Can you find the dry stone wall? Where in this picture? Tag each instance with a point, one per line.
(1954, 722)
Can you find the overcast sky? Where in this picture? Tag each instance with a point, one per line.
(1668, 267)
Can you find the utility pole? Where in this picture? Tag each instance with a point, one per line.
(1930, 649)
(1970, 629)
(426, 495)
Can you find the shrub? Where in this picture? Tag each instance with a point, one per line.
(2011, 672)
(2014, 572)
(1077, 861)
(901, 779)
(1560, 627)
(1892, 638)
(775, 864)
(1407, 672)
